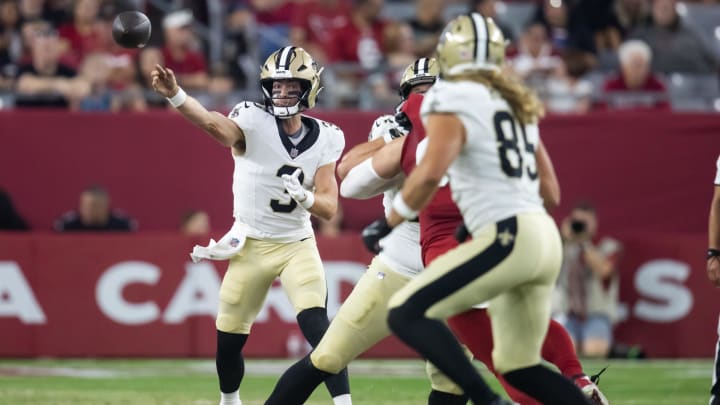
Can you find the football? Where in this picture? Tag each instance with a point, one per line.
(131, 29)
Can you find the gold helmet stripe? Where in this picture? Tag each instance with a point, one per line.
(483, 38)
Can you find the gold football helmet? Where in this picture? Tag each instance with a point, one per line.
(470, 42)
(291, 63)
(422, 71)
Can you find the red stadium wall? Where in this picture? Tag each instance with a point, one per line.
(650, 175)
(645, 171)
(140, 295)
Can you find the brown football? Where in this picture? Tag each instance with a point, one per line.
(131, 29)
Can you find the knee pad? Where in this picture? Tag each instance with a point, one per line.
(328, 362)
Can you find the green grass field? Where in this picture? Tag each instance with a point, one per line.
(49, 381)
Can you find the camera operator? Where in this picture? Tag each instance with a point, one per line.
(586, 298)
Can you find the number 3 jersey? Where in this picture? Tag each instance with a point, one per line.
(260, 200)
(495, 176)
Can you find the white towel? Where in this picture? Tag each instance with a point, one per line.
(228, 246)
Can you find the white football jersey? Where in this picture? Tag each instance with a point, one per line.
(401, 248)
(260, 199)
(495, 176)
(717, 173)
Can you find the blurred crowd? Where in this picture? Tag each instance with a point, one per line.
(579, 55)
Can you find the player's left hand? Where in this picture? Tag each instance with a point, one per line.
(372, 234)
(293, 186)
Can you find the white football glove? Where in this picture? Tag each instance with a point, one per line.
(298, 193)
(387, 128)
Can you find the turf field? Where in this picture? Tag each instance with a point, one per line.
(47, 381)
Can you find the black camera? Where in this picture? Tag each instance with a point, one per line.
(578, 226)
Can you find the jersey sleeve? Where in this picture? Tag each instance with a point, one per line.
(717, 173)
(245, 115)
(335, 146)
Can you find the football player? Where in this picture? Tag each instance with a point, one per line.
(713, 269)
(438, 223)
(482, 132)
(284, 172)
(361, 320)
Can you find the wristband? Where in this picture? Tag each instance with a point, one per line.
(713, 253)
(402, 208)
(178, 99)
(308, 201)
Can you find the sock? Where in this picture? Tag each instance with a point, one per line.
(297, 383)
(558, 349)
(229, 361)
(546, 386)
(343, 399)
(434, 341)
(313, 323)
(232, 398)
(445, 398)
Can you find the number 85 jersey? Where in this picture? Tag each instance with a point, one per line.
(260, 200)
(495, 175)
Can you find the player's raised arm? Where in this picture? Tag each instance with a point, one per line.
(384, 130)
(220, 127)
(375, 174)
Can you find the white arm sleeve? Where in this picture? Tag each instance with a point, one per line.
(362, 182)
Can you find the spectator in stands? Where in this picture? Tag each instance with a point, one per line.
(636, 86)
(534, 58)
(273, 19)
(10, 43)
(488, 8)
(96, 69)
(586, 298)
(675, 47)
(10, 219)
(94, 214)
(148, 58)
(123, 71)
(181, 53)
(29, 29)
(238, 47)
(47, 82)
(566, 92)
(355, 52)
(399, 53)
(360, 40)
(312, 24)
(629, 15)
(31, 9)
(427, 24)
(195, 222)
(58, 12)
(80, 36)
